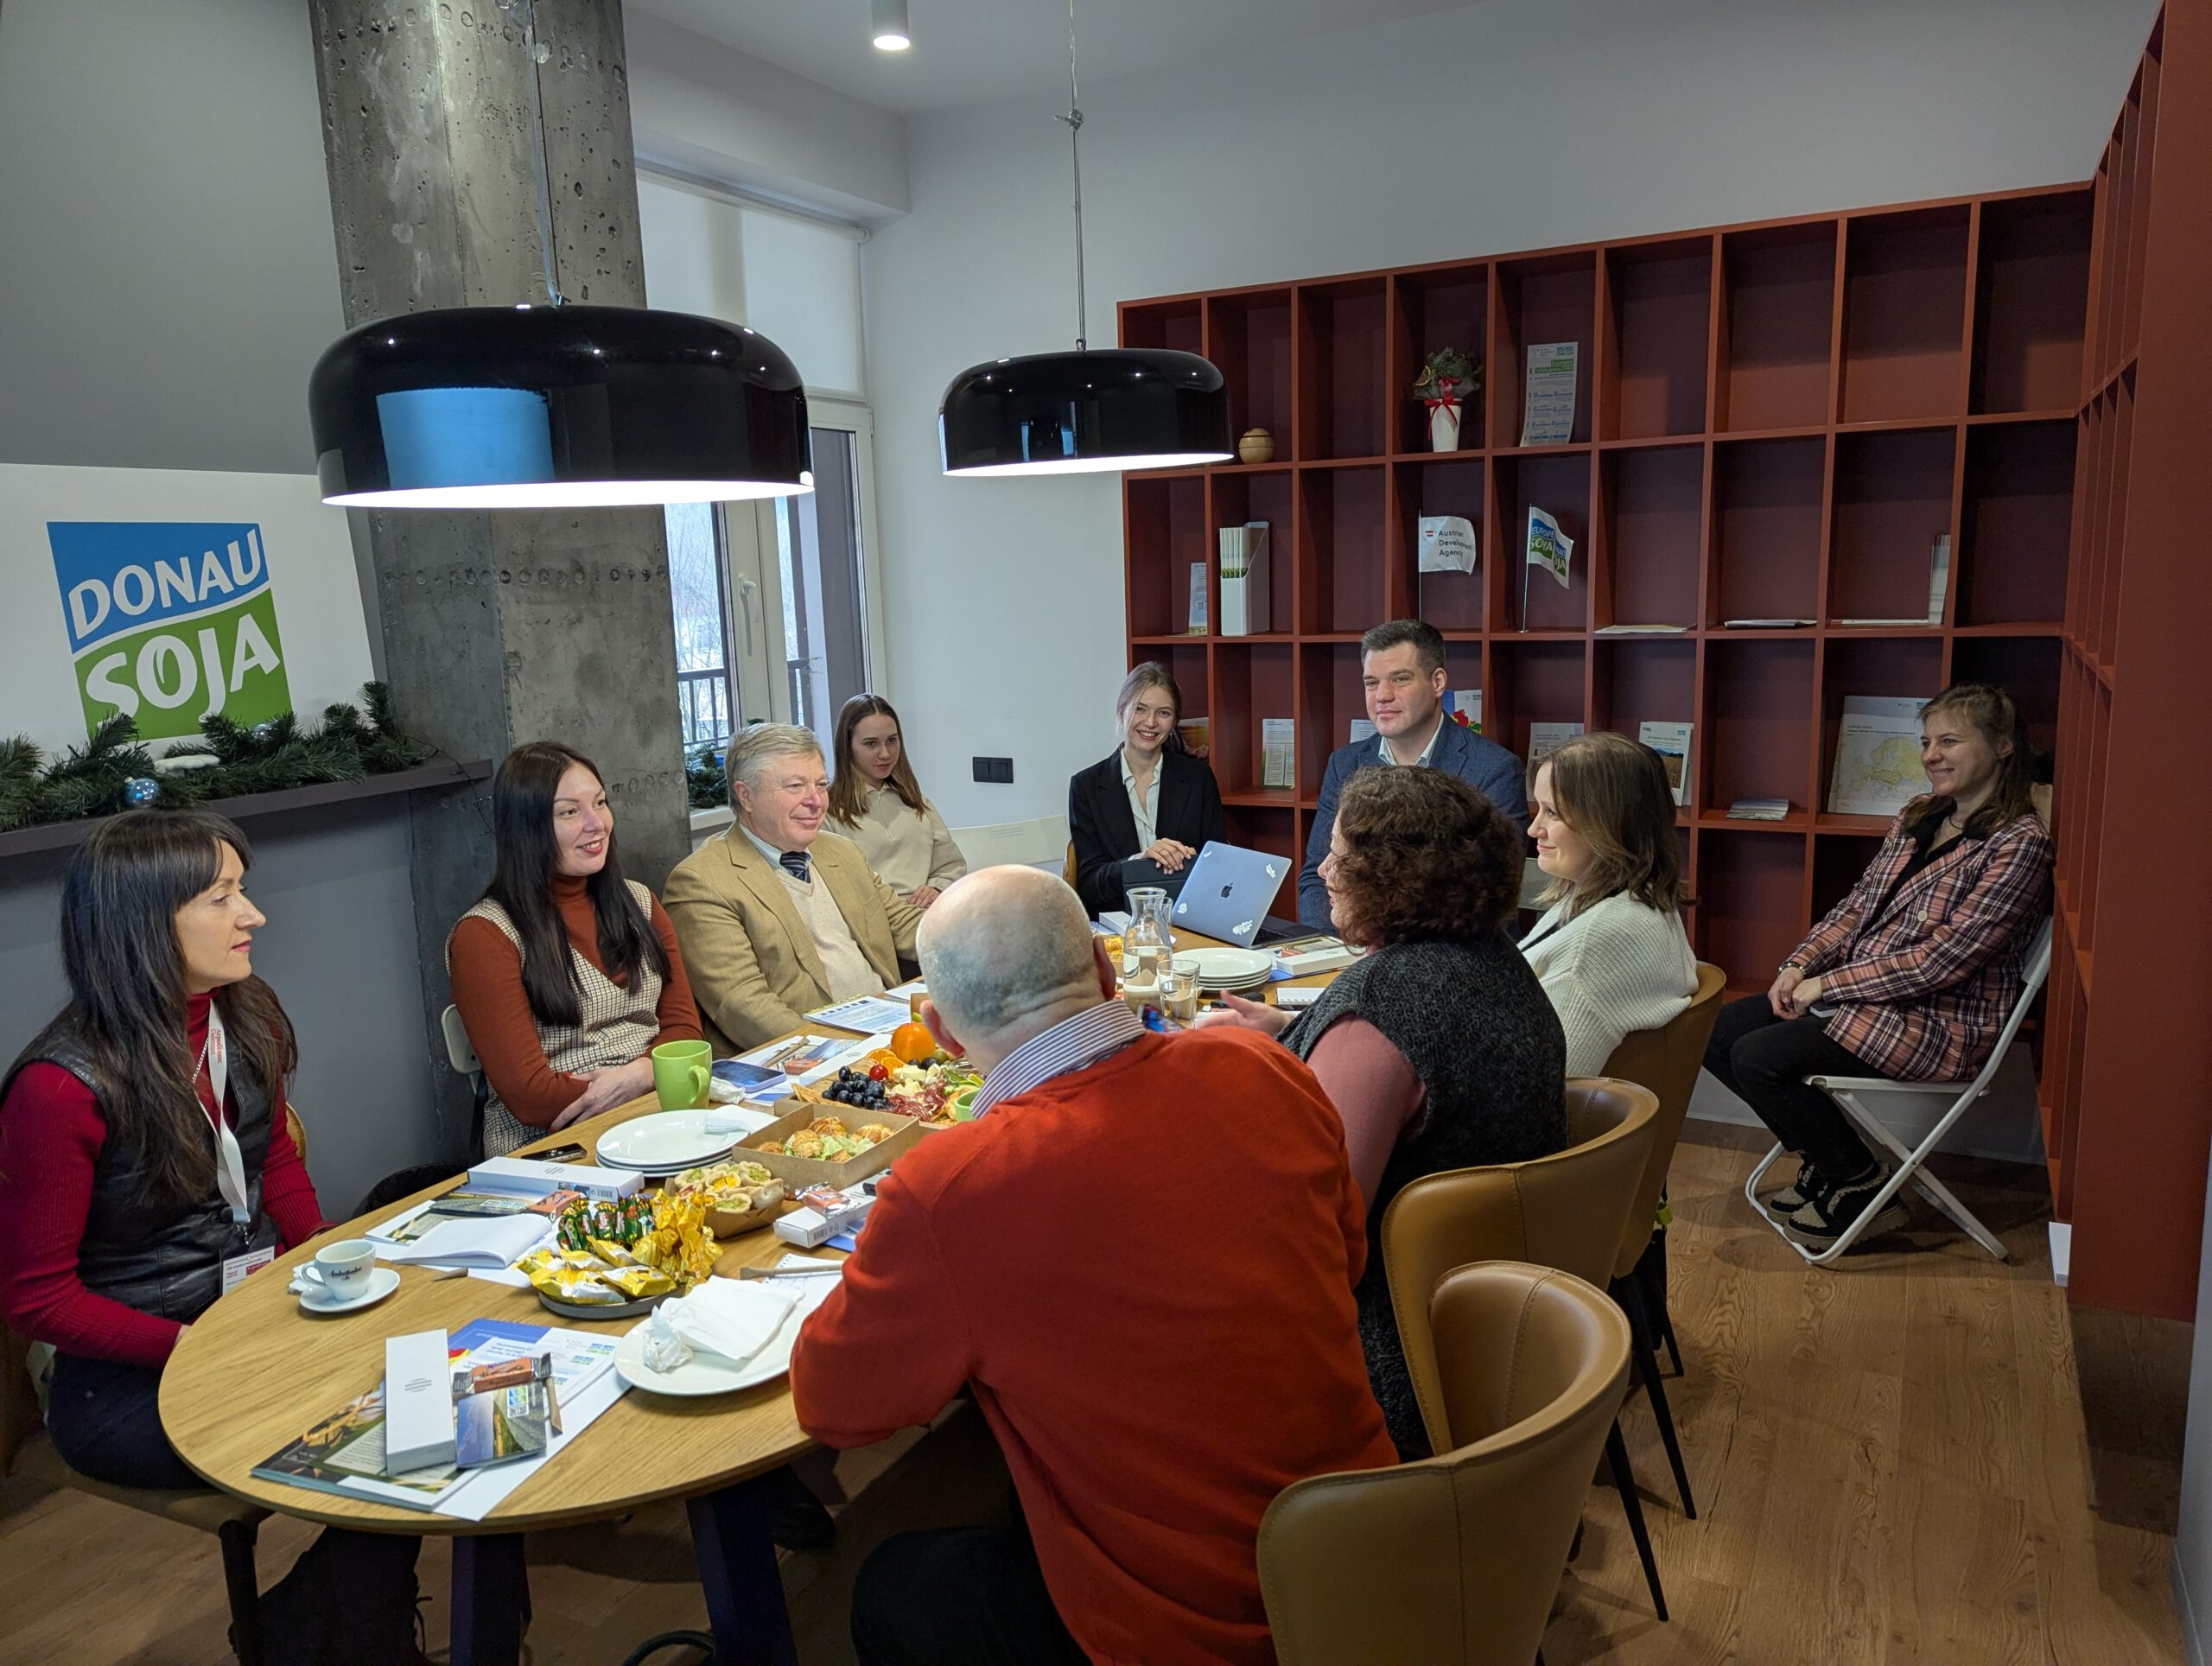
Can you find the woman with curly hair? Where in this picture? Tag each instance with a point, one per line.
(1439, 1048)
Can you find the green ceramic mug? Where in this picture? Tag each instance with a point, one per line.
(681, 1070)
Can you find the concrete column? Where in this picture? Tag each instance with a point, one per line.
(502, 627)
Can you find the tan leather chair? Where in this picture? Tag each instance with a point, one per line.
(1567, 1210)
(1067, 869)
(1666, 1060)
(1458, 1557)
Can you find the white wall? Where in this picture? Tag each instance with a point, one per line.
(1514, 125)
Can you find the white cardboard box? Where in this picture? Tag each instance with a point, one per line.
(418, 1402)
(531, 1178)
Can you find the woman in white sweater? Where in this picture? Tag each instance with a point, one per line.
(1609, 950)
(877, 803)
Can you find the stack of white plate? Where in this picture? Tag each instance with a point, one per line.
(668, 1140)
(1227, 971)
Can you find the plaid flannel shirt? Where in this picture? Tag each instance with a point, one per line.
(1924, 987)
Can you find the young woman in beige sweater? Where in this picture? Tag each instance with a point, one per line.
(877, 803)
(1609, 950)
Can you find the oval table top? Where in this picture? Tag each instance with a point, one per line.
(254, 1370)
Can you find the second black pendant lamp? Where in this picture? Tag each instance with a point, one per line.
(1087, 411)
(555, 406)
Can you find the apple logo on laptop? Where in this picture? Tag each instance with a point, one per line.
(1226, 889)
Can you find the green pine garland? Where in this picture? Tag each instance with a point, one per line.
(704, 783)
(91, 780)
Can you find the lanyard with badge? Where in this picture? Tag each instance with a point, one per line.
(230, 1162)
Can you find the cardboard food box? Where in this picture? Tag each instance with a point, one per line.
(799, 1172)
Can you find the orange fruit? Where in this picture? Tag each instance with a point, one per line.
(913, 1043)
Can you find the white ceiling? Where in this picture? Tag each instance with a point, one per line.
(971, 52)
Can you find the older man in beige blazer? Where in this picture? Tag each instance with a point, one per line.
(775, 916)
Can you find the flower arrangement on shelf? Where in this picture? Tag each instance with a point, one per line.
(1448, 378)
(112, 771)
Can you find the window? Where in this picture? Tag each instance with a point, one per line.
(819, 560)
(698, 587)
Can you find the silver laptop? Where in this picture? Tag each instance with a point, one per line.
(1229, 892)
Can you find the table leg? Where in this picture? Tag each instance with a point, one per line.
(738, 1572)
(491, 1598)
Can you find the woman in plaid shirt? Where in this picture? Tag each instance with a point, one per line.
(1912, 976)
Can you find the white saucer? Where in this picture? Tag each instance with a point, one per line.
(383, 1281)
(705, 1373)
(1232, 968)
(663, 1143)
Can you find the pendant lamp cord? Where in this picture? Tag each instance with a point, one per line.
(537, 55)
(1074, 121)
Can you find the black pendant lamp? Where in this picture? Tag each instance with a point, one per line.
(555, 406)
(1085, 412)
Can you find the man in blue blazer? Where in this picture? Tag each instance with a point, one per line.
(1402, 664)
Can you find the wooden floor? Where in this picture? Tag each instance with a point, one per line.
(1920, 1457)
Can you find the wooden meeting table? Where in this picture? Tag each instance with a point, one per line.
(255, 1369)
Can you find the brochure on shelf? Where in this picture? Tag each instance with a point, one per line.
(1244, 605)
(1359, 729)
(1672, 742)
(1197, 734)
(1547, 399)
(1197, 620)
(1877, 769)
(1545, 739)
(1939, 577)
(1278, 751)
(1466, 706)
(1759, 810)
(1640, 630)
(1446, 543)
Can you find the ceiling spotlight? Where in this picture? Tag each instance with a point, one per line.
(891, 33)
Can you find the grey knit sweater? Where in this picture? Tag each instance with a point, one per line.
(1475, 1024)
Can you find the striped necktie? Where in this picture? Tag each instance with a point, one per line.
(794, 863)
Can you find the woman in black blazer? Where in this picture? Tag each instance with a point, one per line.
(1150, 767)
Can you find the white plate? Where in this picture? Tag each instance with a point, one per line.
(1226, 968)
(663, 1143)
(710, 1373)
(383, 1281)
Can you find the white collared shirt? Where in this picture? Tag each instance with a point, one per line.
(768, 850)
(1145, 805)
(1071, 1045)
(1427, 752)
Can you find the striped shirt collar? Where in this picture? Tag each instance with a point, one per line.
(1071, 1045)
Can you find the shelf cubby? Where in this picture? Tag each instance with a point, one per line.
(1177, 325)
(1655, 329)
(1343, 408)
(1777, 328)
(1767, 498)
(1341, 534)
(2026, 667)
(1751, 899)
(1647, 680)
(1546, 299)
(1559, 485)
(1186, 662)
(1652, 548)
(1446, 307)
(1892, 501)
(1905, 299)
(1330, 698)
(1755, 735)
(1271, 828)
(1532, 682)
(1258, 494)
(2015, 516)
(1839, 860)
(1252, 681)
(2031, 298)
(1165, 527)
(1249, 338)
(1447, 485)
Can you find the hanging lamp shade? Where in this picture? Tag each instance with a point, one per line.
(1084, 412)
(555, 407)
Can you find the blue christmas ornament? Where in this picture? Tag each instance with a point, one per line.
(140, 790)
(262, 731)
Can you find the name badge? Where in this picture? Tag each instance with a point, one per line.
(235, 1268)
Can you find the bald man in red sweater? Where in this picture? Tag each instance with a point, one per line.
(1140, 1257)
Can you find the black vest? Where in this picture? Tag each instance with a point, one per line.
(1477, 1026)
(162, 1258)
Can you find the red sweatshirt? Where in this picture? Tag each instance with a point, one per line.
(51, 1134)
(487, 971)
(1145, 1267)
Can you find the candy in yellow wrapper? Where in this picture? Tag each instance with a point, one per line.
(637, 1282)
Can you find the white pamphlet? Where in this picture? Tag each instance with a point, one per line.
(866, 1013)
(1877, 769)
(1198, 625)
(1548, 402)
(1545, 739)
(1672, 742)
(1278, 751)
(1245, 610)
(1468, 703)
(1361, 730)
(1446, 544)
(1939, 577)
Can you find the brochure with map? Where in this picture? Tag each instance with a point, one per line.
(1876, 756)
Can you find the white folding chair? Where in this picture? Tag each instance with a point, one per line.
(1856, 1095)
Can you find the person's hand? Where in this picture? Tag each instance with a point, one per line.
(1802, 998)
(1785, 981)
(925, 896)
(1245, 1015)
(605, 1089)
(1170, 854)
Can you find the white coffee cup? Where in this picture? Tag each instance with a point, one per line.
(341, 1272)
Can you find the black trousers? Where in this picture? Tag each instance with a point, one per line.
(1764, 1060)
(350, 1599)
(962, 1596)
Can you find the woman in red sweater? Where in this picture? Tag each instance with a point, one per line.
(146, 1166)
(566, 975)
